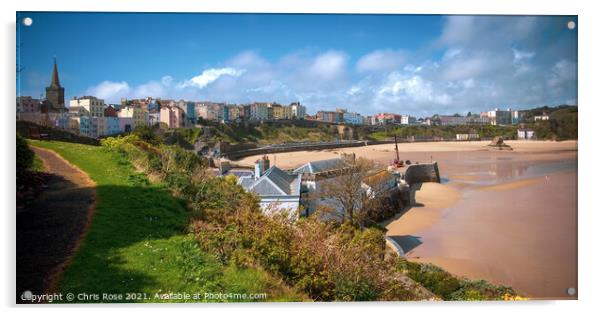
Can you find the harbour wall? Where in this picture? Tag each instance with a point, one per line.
(238, 154)
(423, 172)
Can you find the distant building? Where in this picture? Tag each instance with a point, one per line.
(353, 118)
(500, 117)
(277, 111)
(55, 94)
(452, 120)
(517, 117)
(407, 120)
(27, 104)
(525, 133)
(59, 120)
(387, 119)
(126, 124)
(235, 113)
(173, 116)
(112, 126)
(259, 111)
(77, 110)
(329, 116)
(28, 109)
(367, 120)
(138, 115)
(246, 112)
(224, 114)
(543, 117)
(298, 111)
(89, 126)
(88, 105)
(470, 136)
(190, 110)
(110, 111)
(154, 117)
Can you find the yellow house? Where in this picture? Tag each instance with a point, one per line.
(277, 112)
(138, 115)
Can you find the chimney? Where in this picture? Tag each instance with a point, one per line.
(261, 165)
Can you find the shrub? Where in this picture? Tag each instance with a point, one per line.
(25, 156)
(147, 134)
(449, 287)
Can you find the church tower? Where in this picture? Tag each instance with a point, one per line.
(55, 94)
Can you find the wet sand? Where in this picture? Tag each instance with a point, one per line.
(509, 217)
(515, 221)
(524, 237)
(431, 199)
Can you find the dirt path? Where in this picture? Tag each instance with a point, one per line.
(49, 230)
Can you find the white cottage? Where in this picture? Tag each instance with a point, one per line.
(278, 190)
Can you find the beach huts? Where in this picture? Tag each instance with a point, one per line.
(525, 133)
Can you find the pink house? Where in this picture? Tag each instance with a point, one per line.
(172, 116)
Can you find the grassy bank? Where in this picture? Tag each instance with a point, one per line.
(227, 222)
(264, 133)
(138, 243)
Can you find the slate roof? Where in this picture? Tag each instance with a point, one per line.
(379, 178)
(273, 182)
(320, 166)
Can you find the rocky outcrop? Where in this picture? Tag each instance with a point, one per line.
(498, 144)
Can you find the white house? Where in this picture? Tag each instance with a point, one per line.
(525, 133)
(280, 192)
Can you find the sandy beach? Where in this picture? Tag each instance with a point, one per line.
(525, 237)
(416, 152)
(509, 217)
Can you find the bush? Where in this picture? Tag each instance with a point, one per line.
(25, 156)
(449, 287)
(147, 134)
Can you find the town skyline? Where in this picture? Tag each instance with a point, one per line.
(422, 65)
(54, 78)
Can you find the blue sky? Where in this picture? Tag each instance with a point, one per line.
(419, 65)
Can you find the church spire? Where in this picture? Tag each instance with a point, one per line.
(55, 94)
(55, 76)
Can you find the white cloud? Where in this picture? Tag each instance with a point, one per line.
(210, 75)
(385, 59)
(166, 80)
(459, 68)
(107, 90)
(354, 90)
(563, 71)
(328, 66)
(522, 55)
(522, 61)
(413, 88)
(458, 29)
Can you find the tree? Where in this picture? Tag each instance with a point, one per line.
(344, 191)
(147, 134)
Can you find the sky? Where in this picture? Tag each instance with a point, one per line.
(408, 64)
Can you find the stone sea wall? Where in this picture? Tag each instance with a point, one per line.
(424, 172)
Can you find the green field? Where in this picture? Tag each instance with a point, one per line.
(138, 241)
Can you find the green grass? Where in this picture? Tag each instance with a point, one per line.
(37, 165)
(138, 243)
